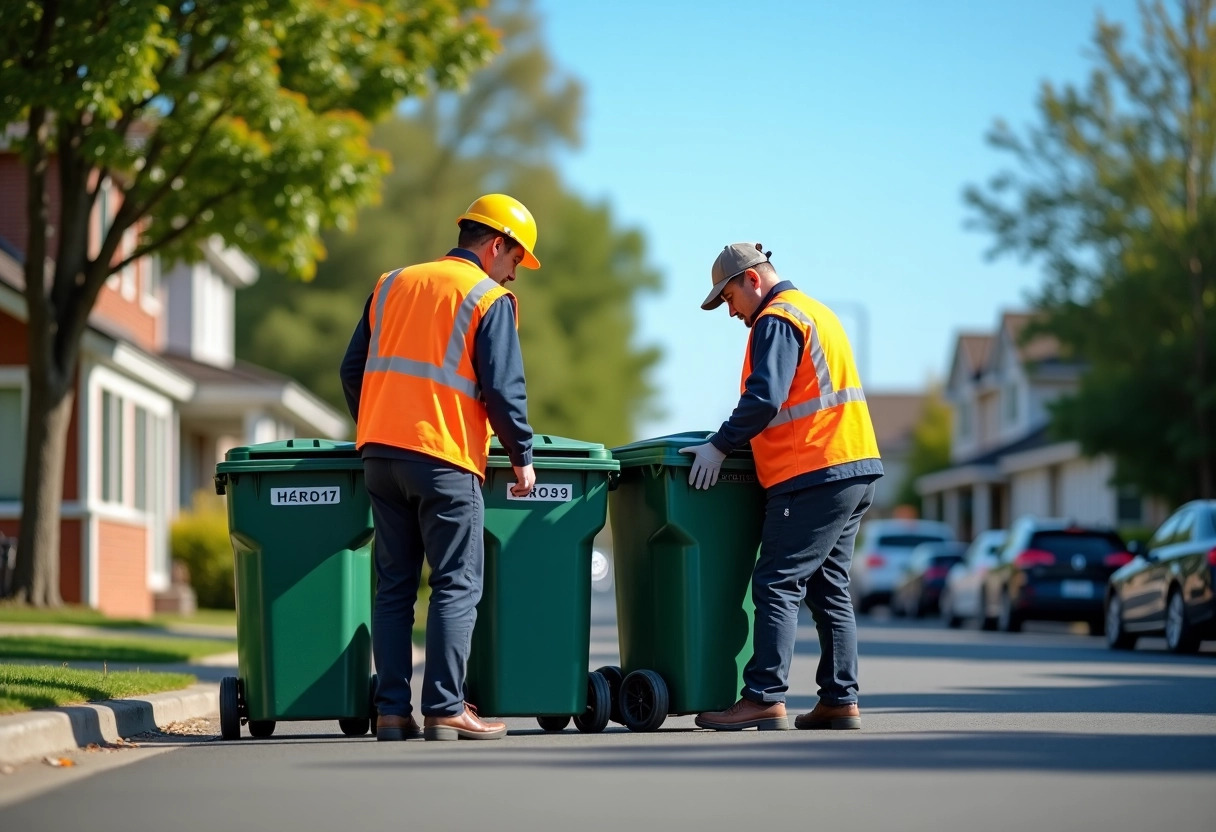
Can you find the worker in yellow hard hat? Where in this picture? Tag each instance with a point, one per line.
(433, 369)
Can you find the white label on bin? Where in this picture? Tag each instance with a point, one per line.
(319, 496)
(542, 493)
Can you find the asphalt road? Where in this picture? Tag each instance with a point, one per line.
(1045, 730)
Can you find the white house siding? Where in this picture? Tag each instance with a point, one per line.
(1029, 493)
(1085, 493)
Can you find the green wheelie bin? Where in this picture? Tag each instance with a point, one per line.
(301, 527)
(532, 638)
(684, 560)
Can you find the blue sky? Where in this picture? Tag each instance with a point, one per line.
(839, 134)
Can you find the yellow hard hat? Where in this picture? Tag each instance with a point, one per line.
(508, 215)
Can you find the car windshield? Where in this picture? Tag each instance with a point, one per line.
(946, 560)
(1076, 543)
(906, 541)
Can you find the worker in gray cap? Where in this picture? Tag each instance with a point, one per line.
(802, 409)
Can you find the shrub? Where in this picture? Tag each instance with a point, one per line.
(199, 539)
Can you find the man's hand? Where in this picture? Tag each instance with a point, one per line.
(706, 464)
(525, 480)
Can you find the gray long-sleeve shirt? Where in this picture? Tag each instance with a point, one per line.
(776, 352)
(497, 362)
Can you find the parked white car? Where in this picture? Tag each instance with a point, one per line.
(961, 596)
(883, 551)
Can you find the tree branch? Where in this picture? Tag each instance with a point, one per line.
(209, 203)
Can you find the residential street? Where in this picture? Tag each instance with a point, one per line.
(1047, 730)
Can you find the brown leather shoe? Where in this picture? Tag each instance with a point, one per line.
(830, 718)
(392, 728)
(466, 725)
(746, 714)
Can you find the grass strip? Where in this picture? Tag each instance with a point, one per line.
(25, 688)
(11, 613)
(117, 649)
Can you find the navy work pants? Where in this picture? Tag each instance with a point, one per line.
(434, 511)
(805, 551)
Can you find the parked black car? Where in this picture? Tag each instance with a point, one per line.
(1052, 570)
(1167, 589)
(920, 589)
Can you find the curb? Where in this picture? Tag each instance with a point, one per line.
(29, 736)
(43, 733)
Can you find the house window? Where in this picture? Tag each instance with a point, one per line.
(12, 443)
(151, 284)
(1129, 507)
(1010, 397)
(965, 418)
(111, 448)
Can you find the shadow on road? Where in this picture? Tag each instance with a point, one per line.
(1096, 693)
(1063, 752)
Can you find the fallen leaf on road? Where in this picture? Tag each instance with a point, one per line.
(59, 762)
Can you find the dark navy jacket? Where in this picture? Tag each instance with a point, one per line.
(776, 351)
(497, 363)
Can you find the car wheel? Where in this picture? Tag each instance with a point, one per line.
(1180, 636)
(1117, 638)
(1009, 620)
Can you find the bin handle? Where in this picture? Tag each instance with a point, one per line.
(614, 479)
(221, 483)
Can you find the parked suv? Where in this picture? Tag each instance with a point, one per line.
(883, 552)
(1170, 587)
(1052, 570)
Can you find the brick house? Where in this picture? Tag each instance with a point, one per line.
(1005, 462)
(159, 398)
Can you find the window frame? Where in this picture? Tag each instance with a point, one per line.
(17, 378)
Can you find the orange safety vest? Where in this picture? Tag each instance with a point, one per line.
(825, 420)
(420, 391)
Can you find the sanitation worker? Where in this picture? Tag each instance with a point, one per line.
(433, 368)
(802, 408)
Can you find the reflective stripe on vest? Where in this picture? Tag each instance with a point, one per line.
(446, 373)
(828, 396)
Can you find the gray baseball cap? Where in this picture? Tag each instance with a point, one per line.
(732, 260)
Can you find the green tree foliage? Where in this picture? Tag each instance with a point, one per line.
(242, 119)
(930, 445)
(586, 376)
(1113, 194)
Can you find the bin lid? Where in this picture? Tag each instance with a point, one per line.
(293, 449)
(665, 450)
(291, 455)
(559, 452)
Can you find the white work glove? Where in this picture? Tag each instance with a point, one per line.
(706, 464)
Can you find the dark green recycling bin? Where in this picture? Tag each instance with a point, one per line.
(683, 560)
(301, 527)
(532, 638)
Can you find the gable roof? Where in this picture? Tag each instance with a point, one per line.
(1038, 348)
(894, 416)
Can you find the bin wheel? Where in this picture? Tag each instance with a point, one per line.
(373, 714)
(230, 709)
(613, 675)
(261, 728)
(553, 724)
(644, 701)
(354, 726)
(599, 705)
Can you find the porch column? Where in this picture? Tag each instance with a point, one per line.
(981, 507)
(951, 513)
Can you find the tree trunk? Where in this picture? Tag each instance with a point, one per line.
(50, 411)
